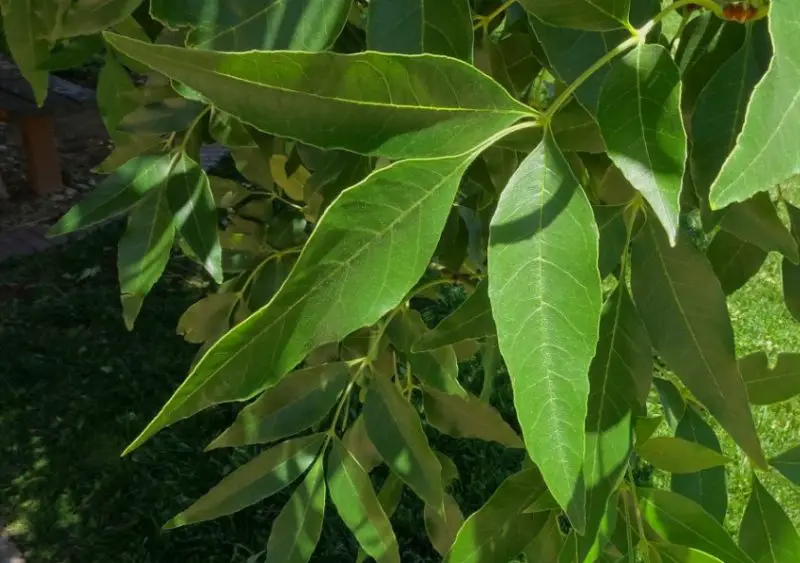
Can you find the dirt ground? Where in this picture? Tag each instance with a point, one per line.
(83, 144)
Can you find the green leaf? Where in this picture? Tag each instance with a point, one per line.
(300, 400)
(116, 194)
(468, 417)
(671, 400)
(619, 381)
(472, 319)
(438, 368)
(668, 553)
(443, 528)
(684, 310)
(788, 463)
(423, 106)
(318, 303)
(720, 109)
(708, 488)
(733, 260)
(766, 533)
(116, 96)
(73, 53)
(265, 475)
(547, 541)
(640, 119)
(207, 319)
(645, 427)
(393, 425)
(389, 498)
(269, 25)
(128, 147)
(790, 274)
(144, 251)
(680, 521)
(195, 214)
(592, 15)
(160, 117)
(766, 385)
(25, 32)
(576, 130)
(766, 151)
(499, 530)
(677, 455)
(513, 62)
(360, 446)
(358, 506)
(416, 26)
(545, 292)
(613, 236)
(757, 222)
(296, 530)
(85, 18)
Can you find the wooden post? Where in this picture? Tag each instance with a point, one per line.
(41, 152)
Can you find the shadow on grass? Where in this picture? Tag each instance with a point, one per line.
(76, 387)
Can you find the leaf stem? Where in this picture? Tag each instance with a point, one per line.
(637, 36)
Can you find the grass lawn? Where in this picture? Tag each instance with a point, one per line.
(76, 387)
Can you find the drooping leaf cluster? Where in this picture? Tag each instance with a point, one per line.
(597, 175)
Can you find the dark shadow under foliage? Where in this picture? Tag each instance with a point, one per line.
(76, 387)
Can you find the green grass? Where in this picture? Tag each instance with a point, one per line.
(76, 387)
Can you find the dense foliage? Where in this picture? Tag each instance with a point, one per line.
(598, 175)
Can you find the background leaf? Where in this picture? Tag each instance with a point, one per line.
(766, 385)
(416, 26)
(595, 15)
(545, 293)
(733, 260)
(677, 455)
(414, 106)
(265, 475)
(788, 463)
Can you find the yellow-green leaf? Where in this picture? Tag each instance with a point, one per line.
(592, 15)
(677, 455)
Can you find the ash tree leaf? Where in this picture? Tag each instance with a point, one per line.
(263, 476)
(790, 272)
(393, 425)
(684, 310)
(592, 15)
(499, 530)
(402, 208)
(788, 464)
(144, 251)
(26, 33)
(668, 553)
(708, 487)
(85, 18)
(645, 427)
(678, 520)
(756, 221)
(117, 96)
(548, 540)
(443, 528)
(720, 109)
(355, 500)
(734, 261)
(443, 27)
(472, 319)
(389, 498)
(640, 119)
(514, 63)
(613, 236)
(671, 400)
(296, 531)
(436, 368)
(576, 130)
(268, 25)
(571, 51)
(766, 150)
(116, 194)
(767, 534)
(195, 213)
(677, 455)
(360, 446)
(544, 288)
(300, 400)
(207, 319)
(420, 106)
(619, 380)
(161, 117)
(765, 385)
(468, 417)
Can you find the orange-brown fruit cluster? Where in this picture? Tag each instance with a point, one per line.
(739, 12)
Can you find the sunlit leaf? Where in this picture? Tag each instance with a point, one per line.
(544, 288)
(677, 455)
(766, 533)
(412, 106)
(85, 18)
(207, 319)
(443, 528)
